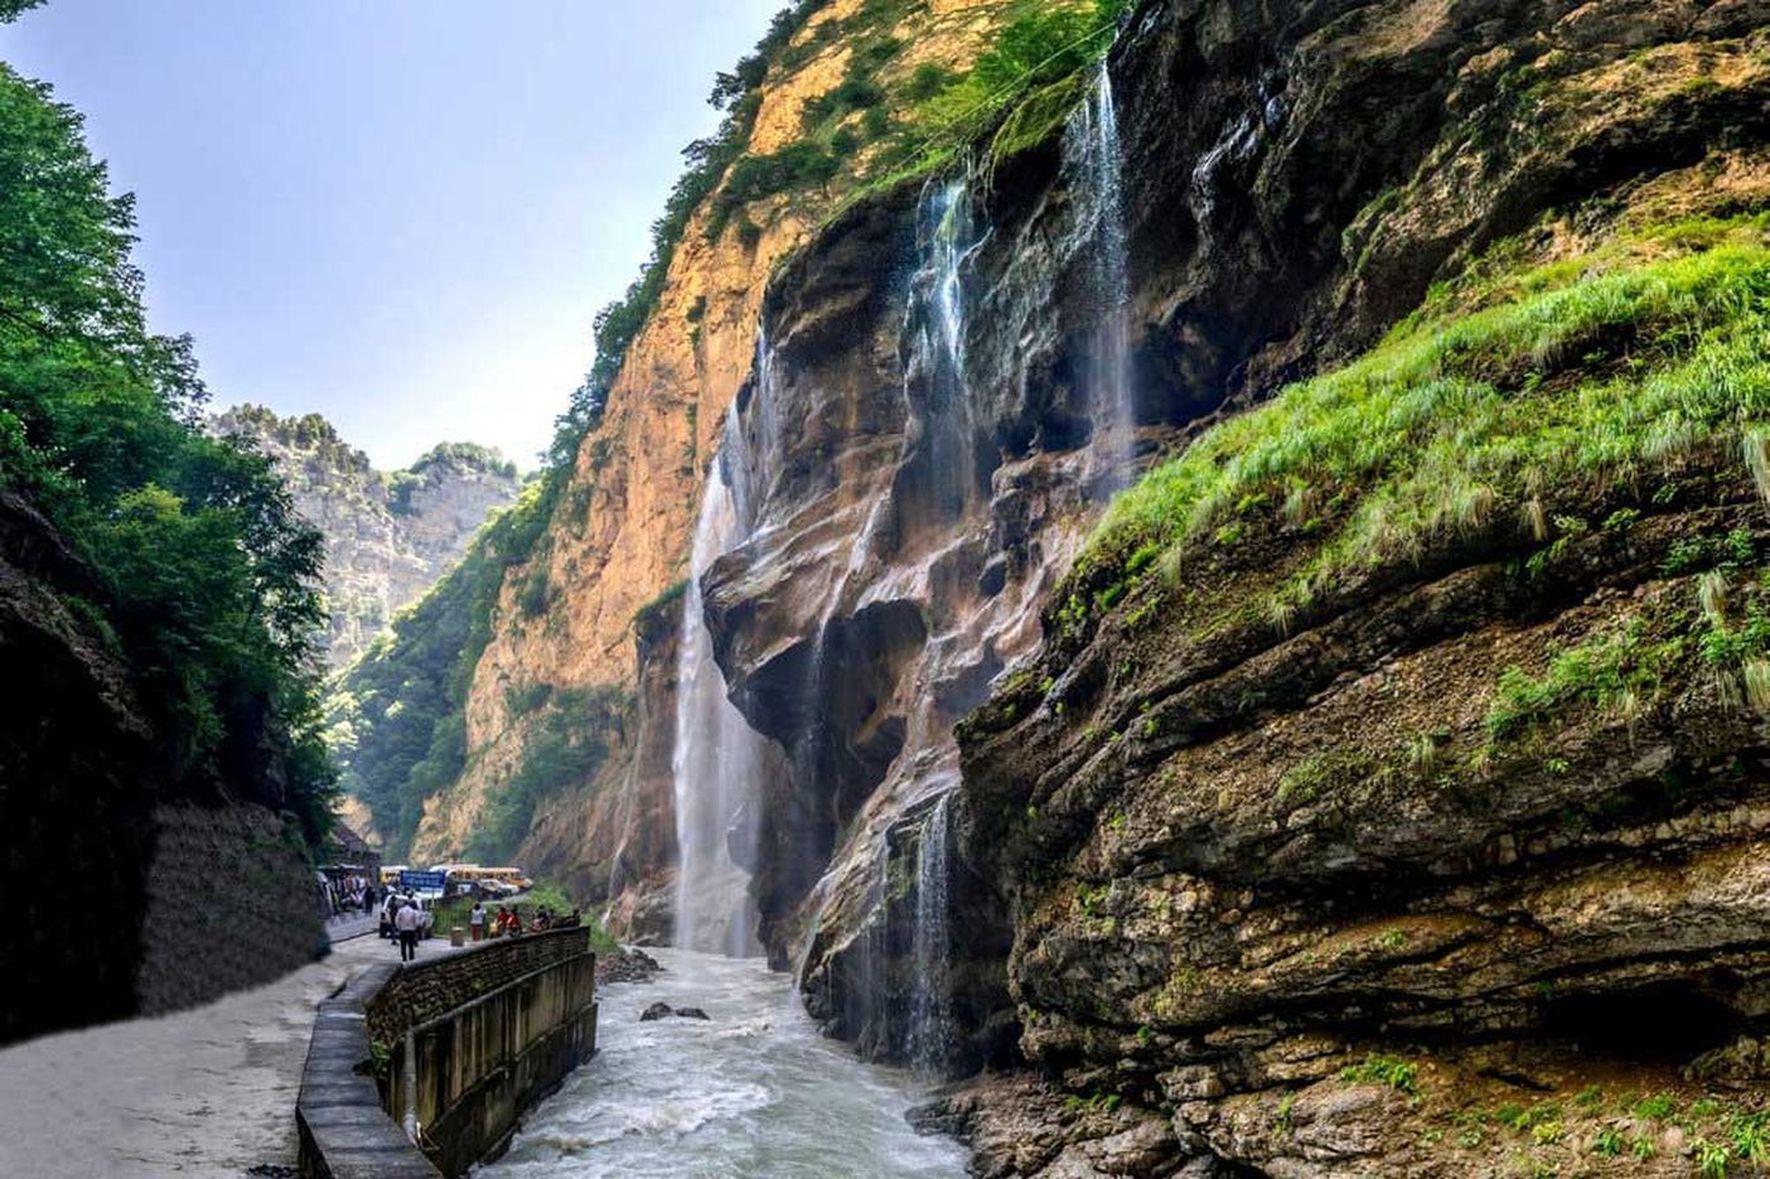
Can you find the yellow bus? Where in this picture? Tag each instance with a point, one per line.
(390, 874)
(515, 877)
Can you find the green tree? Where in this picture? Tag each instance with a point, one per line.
(208, 581)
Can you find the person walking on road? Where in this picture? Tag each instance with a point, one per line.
(407, 921)
(476, 921)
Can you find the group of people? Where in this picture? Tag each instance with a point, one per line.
(402, 918)
(506, 923)
(346, 895)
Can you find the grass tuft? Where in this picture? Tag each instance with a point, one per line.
(1756, 674)
(1400, 1075)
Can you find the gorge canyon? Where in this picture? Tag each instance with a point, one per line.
(1222, 611)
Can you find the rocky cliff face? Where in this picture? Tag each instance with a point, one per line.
(1386, 794)
(900, 536)
(389, 537)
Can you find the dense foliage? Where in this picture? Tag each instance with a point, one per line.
(207, 581)
(565, 750)
(465, 455)
(1043, 45)
(397, 718)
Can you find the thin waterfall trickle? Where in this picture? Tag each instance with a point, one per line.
(1094, 166)
(717, 762)
(875, 1015)
(931, 1032)
(935, 384)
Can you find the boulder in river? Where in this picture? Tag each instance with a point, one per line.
(665, 1011)
(626, 965)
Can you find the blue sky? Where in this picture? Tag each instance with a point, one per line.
(400, 213)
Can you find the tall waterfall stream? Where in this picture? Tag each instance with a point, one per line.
(717, 759)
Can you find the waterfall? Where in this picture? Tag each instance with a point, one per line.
(935, 386)
(717, 761)
(931, 1045)
(1094, 166)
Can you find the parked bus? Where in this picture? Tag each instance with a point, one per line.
(514, 877)
(390, 874)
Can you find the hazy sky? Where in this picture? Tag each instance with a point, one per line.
(400, 213)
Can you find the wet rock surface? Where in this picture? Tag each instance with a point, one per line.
(659, 1011)
(1276, 885)
(1293, 182)
(626, 964)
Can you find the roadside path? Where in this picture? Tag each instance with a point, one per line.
(205, 1092)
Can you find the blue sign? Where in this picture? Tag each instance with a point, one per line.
(422, 881)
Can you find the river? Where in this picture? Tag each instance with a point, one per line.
(754, 1093)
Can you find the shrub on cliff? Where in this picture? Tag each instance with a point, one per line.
(1041, 46)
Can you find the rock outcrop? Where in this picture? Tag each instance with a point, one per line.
(1343, 841)
(900, 541)
(389, 537)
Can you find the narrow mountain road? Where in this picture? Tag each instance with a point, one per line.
(205, 1092)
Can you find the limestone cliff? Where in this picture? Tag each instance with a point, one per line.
(620, 535)
(389, 537)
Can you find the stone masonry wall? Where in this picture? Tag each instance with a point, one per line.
(230, 905)
(429, 990)
(490, 1031)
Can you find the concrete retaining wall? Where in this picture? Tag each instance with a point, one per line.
(464, 1046)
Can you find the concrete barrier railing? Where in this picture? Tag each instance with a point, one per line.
(462, 1046)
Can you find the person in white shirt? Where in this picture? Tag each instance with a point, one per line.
(476, 920)
(408, 921)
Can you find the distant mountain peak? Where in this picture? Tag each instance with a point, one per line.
(389, 535)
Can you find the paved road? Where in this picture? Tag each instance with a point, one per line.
(206, 1092)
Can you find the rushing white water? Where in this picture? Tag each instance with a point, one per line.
(754, 1093)
(716, 764)
(1094, 164)
(931, 1043)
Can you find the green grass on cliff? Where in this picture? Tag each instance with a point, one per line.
(1489, 409)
